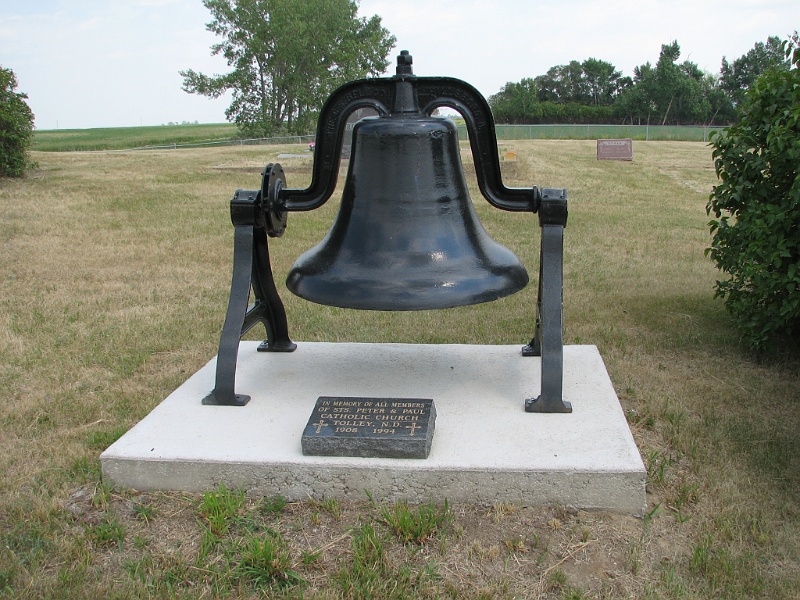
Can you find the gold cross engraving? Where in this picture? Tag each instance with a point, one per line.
(413, 427)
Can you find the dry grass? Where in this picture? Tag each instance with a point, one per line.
(115, 274)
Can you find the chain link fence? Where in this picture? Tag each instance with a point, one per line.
(684, 133)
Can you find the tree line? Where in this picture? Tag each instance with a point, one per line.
(670, 92)
(287, 57)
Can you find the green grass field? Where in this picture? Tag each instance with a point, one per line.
(115, 276)
(121, 138)
(124, 138)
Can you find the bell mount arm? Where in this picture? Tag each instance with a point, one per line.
(428, 93)
(363, 93)
(434, 92)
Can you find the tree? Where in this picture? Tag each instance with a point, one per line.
(603, 81)
(676, 93)
(740, 75)
(515, 102)
(671, 92)
(562, 84)
(287, 57)
(756, 208)
(693, 106)
(722, 109)
(572, 93)
(16, 127)
(636, 102)
(592, 82)
(594, 91)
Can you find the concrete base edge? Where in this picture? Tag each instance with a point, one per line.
(486, 448)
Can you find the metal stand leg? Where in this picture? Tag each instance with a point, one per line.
(250, 266)
(548, 340)
(534, 347)
(268, 307)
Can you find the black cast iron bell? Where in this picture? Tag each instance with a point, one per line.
(407, 236)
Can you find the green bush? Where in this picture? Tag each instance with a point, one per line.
(16, 127)
(756, 229)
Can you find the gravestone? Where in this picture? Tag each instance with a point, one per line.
(370, 427)
(615, 149)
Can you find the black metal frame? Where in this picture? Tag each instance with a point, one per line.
(257, 215)
(548, 340)
(251, 268)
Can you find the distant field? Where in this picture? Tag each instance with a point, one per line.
(122, 138)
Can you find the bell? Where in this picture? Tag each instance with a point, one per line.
(407, 236)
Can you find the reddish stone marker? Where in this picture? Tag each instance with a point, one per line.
(615, 149)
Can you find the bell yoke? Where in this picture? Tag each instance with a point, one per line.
(407, 236)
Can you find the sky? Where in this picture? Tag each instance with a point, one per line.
(116, 63)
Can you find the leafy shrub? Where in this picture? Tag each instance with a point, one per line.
(756, 229)
(16, 127)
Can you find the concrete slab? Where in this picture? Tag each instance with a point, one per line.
(486, 449)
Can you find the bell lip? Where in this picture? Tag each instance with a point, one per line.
(386, 300)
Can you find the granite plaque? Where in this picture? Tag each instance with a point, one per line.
(370, 427)
(615, 149)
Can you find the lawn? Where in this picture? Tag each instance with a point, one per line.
(122, 138)
(172, 136)
(115, 275)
